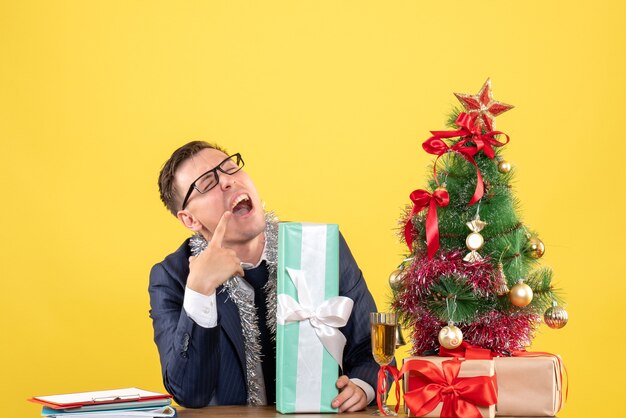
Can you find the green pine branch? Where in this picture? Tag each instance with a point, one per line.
(452, 299)
(456, 111)
(540, 281)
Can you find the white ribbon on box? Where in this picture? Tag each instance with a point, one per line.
(325, 319)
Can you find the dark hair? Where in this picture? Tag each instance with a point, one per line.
(167, 177)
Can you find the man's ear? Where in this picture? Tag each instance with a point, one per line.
(189, 221)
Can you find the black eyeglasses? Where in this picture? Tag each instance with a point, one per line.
(210, 179)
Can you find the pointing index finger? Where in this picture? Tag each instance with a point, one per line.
(220, 230)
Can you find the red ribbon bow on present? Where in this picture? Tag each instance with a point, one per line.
(382, 386)
(461, 396)
(470, 133)
(468, 352)
(422, 199)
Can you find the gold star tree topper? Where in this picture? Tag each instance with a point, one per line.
(483, 107)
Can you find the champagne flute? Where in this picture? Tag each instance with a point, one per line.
(383, 329)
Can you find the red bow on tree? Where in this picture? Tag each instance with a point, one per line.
(470, 133)
(461, 396)
(422, 199)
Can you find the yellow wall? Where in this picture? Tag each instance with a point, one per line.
(329, 102)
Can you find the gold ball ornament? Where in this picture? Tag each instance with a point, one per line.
(521, 294)
(450, 337)
(555, 317)
(396, 280)
(504, 166)
(536, 247)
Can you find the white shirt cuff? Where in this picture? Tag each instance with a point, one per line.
(200, 308)
(369, 391)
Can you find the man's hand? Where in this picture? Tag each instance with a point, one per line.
(351, 397)
(215, 264)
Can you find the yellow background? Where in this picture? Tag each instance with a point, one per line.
(329, 102)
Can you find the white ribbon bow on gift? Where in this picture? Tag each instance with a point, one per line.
(325, 319)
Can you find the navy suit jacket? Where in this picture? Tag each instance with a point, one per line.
(205, 366)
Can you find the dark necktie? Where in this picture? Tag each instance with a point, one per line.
(257, 278)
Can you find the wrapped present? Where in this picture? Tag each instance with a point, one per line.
(530, 384)
(444, 387)
(309, 345)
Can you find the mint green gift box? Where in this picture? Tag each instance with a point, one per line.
(307, 362)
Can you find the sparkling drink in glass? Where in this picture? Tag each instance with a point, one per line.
(383, 342)
(383, 329)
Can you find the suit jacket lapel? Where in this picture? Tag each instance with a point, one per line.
(231, 324)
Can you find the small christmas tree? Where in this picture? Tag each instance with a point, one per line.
(472, 273)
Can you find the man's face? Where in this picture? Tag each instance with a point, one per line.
(235, 193)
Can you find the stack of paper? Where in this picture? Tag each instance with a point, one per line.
(117, 403)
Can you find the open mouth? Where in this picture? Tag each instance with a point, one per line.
(242, 205)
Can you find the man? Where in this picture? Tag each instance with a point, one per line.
(215, 332)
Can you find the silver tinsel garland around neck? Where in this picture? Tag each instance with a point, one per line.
(247, 310)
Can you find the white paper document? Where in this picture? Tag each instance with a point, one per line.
(101, 396)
